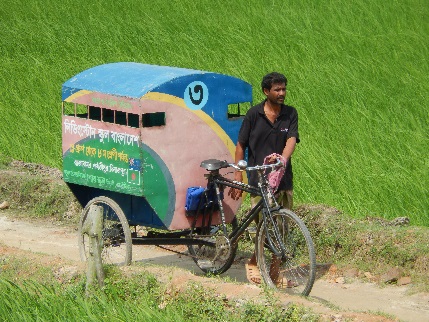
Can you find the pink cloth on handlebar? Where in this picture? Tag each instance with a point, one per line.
(276, 175)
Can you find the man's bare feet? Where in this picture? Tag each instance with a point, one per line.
(252, 272)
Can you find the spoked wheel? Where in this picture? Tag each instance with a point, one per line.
(218, 258)
(116, 240)
(294, 274)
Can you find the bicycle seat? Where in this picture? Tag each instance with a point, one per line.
(213, 164)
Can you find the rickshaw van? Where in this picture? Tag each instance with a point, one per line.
(137, 133)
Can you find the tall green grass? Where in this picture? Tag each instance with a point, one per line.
(36, 302)
(139, 297)
(357, 74)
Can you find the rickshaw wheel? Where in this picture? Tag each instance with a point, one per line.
(215, 259)
(116, 242)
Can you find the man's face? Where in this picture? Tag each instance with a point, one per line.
(277, 93)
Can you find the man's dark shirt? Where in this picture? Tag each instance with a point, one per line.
(262, 138)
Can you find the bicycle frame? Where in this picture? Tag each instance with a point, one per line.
(263, 204)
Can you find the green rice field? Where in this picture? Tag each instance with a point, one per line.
(357, 70)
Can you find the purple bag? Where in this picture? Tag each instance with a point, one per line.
(275, 176)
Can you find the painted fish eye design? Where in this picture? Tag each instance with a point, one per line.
(197, 89)
(196, 95)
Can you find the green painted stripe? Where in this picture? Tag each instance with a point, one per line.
(158, 186)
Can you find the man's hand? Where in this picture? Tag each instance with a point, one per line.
(273, 158)
(236, 193)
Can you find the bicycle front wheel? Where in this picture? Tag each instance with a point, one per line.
(296, 272)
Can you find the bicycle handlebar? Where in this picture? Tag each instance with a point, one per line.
(242, 165)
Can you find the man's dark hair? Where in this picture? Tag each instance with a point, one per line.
(273, 78)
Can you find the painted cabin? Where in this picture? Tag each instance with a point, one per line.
(137, 133)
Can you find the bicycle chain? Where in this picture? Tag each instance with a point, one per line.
(175, 251)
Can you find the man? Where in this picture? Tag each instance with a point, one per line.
(269, 127)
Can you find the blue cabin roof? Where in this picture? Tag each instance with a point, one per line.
(134, 80)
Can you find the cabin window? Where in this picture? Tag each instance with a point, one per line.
(69, 108)
(238, 110)
(121, 118)
(108, 115)
(153, 119)
(133, 120)
(94, 113)
(76, 110)
(81, 110)
(101, 114)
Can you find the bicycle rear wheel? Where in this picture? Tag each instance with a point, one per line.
(218, 258)
(296, 273)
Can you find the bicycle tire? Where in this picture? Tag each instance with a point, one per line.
(204, 256)
(116, 242)
(296, 274)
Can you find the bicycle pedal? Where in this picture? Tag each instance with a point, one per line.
(205, 263)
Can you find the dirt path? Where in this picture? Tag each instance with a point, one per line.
(327, 297)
